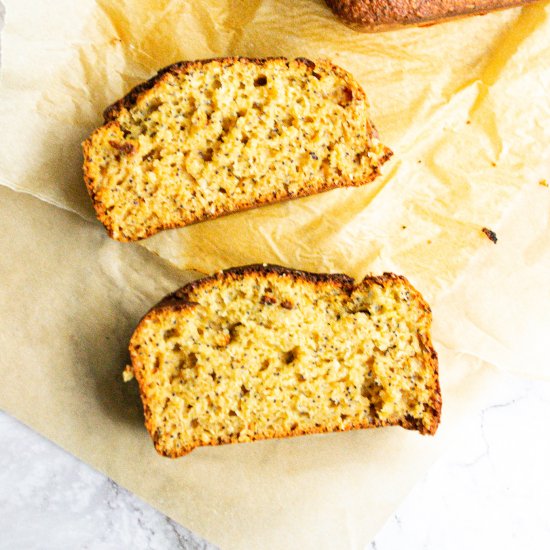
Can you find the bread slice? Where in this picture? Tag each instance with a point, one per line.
(262, 351)
(206, 138)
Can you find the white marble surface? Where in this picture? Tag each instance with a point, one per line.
(491, 490)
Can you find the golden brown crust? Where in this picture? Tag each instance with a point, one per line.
(383, 15)
(133, 97)
(89, 182)
(179, 300)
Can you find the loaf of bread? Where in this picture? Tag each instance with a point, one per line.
(206, 138)
(384, 15)
(263, 351)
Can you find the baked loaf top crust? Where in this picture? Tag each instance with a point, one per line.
(206, 138)
(263, 351)
(383, 15)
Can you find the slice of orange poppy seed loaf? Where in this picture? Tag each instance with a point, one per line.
(206, 138)
(263, 351)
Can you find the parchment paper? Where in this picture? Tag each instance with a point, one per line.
(466, 108)
(70, 300)
(464, 105)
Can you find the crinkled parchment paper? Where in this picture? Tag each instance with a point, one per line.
(70, 300)
(466, 108)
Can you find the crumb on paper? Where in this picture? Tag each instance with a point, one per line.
(491, 235)
(543, 182)
(403, 227)
(493, 164)
(128, 373)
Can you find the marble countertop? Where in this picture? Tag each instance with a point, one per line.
(490, 490)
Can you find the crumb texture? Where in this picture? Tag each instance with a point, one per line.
(208, 138)
(260, 352)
